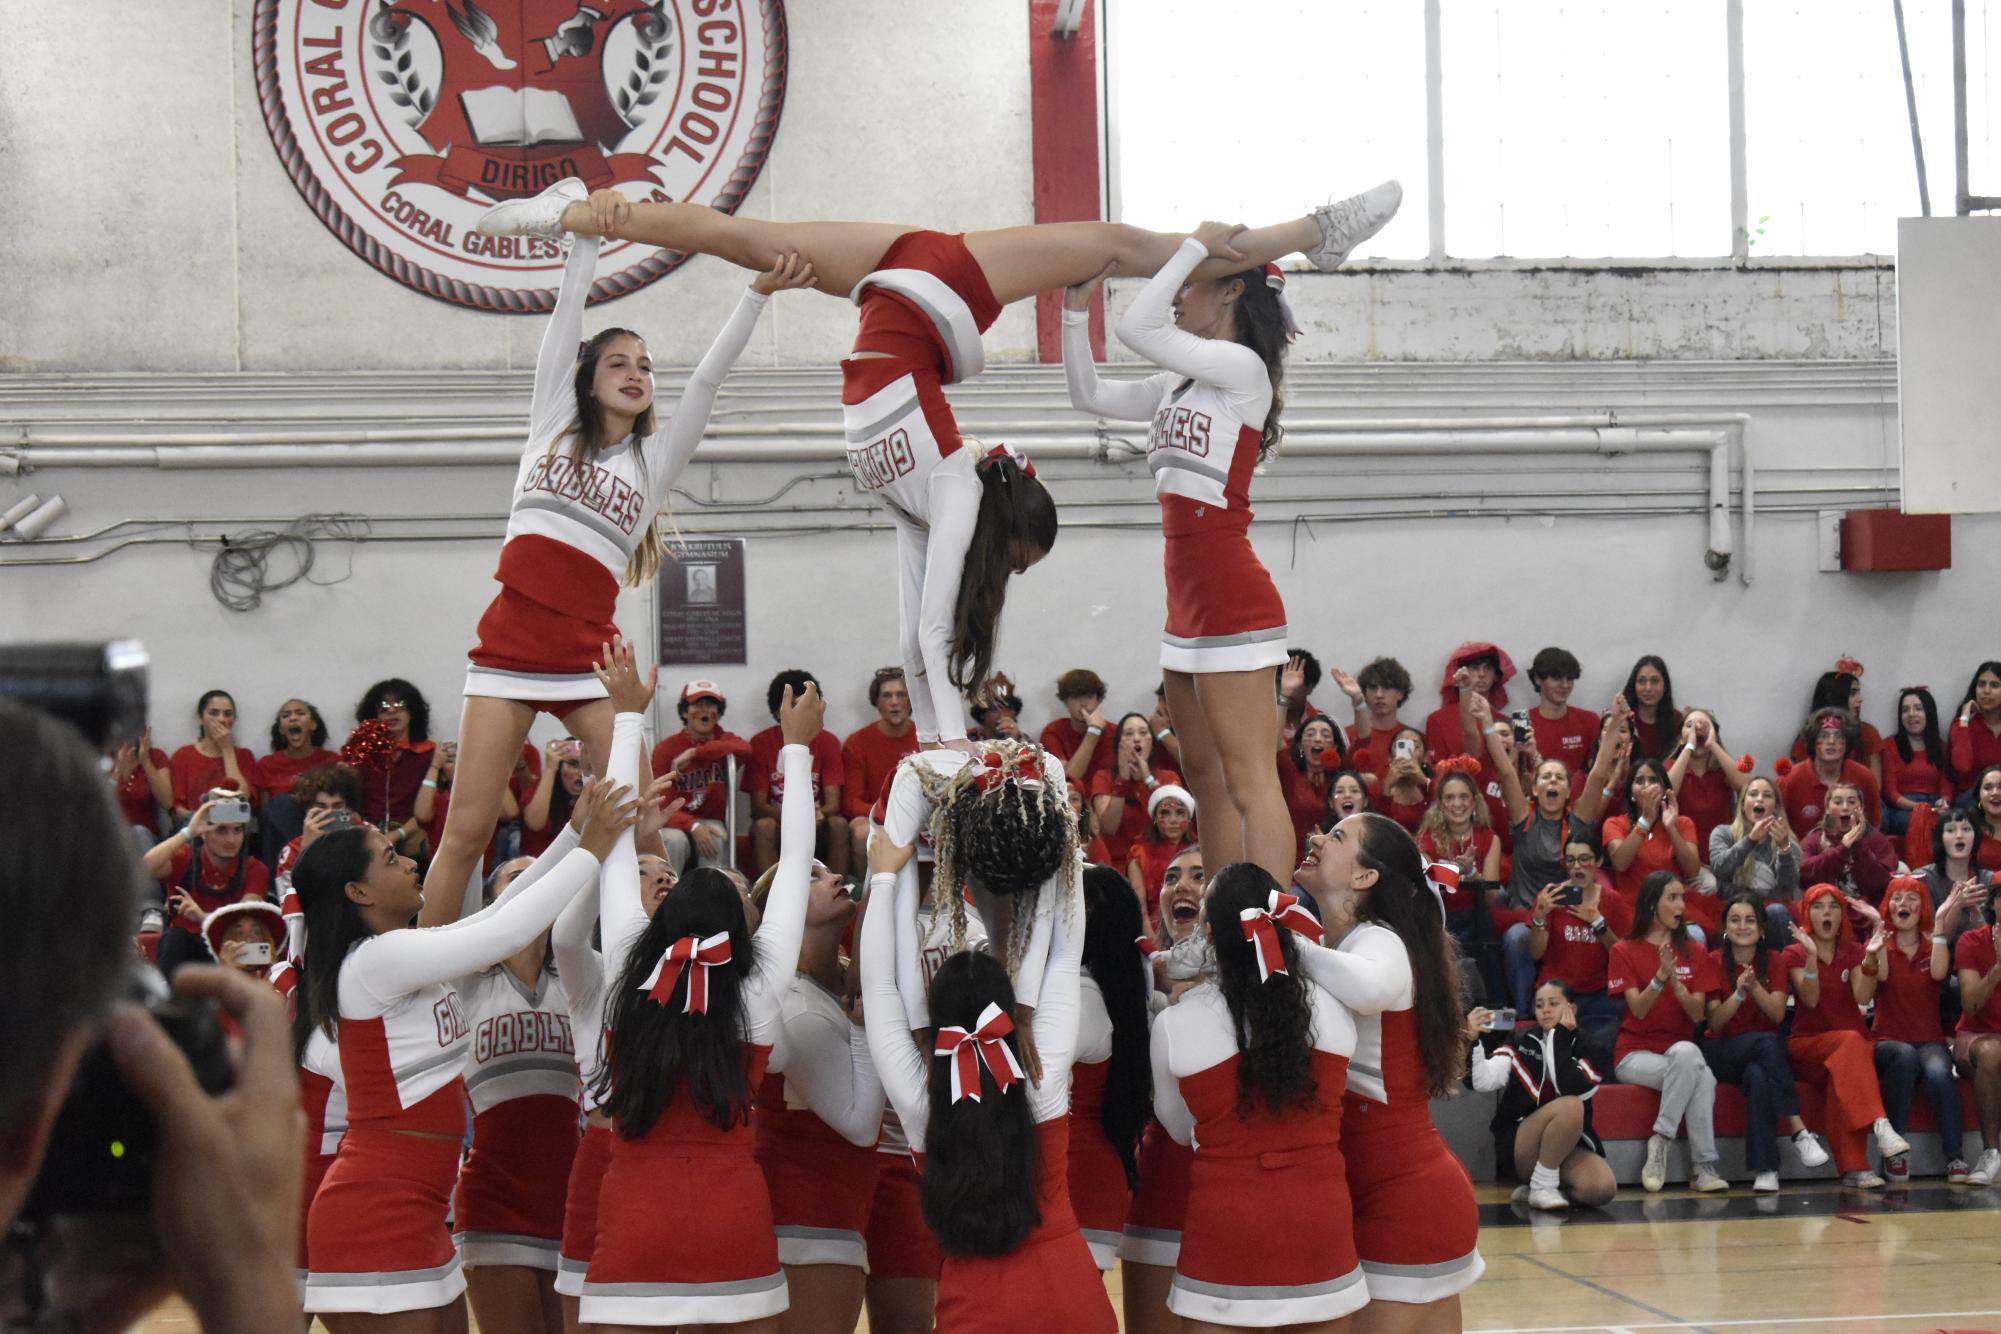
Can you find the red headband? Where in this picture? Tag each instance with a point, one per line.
(968, 1051)
(704, 954)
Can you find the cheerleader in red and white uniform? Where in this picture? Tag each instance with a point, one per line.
(1111, 1082)
(818, 1116)
(993, 1148)
(508, 1211)
(1416, 1223)
(597, 467)
(966, 519)
(1214, 414)
(376, 1235)
(694, 1004)
(1246, 1068)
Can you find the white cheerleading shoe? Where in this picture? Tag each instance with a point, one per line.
(1347, 223)
(541, 216)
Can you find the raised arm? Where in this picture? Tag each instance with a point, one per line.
(784, 926)
(832, 1073)
(553, 396)
(1148, 328)
(955, 511)
(698, 397)
(621, 914)
(1372, 976)
(1119, 400)
(891, 1046)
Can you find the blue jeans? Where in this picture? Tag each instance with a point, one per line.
(1899, 1066)
(1758, 1062)
(1518, 967)
(1599, 1014)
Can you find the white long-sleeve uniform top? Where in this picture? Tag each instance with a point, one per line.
(905, 1070)
(1368, 972)
(601, 507)
(825, 1059)
(1207, 408)
(1195, 1034)
(523, 1044)
(906, 816)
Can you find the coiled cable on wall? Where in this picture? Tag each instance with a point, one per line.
(240, 575)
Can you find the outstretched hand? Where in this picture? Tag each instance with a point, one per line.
(791, 272)
(619, 674)
(800, 717)
(609, 211)
(1218, 237)
(1079, 297)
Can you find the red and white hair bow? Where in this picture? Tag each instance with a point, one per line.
(1275, 279)
(703, 954)
(1286, 911)
(995, 768)
(1260, 927)
(1020, 459)
(968, 1051)
(1443, 877)
(1146, 945)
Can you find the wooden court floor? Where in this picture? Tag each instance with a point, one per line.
(1811, 1258)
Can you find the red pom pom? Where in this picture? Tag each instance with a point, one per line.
(370, 746)
(1745, 764)
(1783, 767)
(1457, 764)
(1847, 664)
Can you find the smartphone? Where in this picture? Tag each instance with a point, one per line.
(1404, 748)
(1500, 1021)
(1570, 896)
(569, 748)
(1520, 718)
(257, 952)
(236, 810)
(339, 817)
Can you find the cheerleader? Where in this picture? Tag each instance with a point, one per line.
(597, 466)
(694, 1004)
(508, 1210)
(1111, 1091)
(819, 1113)
(1219, 325)
(376, 1235)
(994, 1148)
(1416, 1224)
(966, 519)
(1246, 1068)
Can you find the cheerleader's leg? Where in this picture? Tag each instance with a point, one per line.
(491, 731)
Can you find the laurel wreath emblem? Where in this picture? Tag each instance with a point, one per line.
(642, 85)
(391, 45)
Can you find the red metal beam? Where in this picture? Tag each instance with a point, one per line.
(1064, 108)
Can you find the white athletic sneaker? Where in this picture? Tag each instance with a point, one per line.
(1347, 223)
(1956, 1172)
(1987, 1170)
(1810, 1152)
(1547, 1197)
(541, 216)
(1862, 1180)
(1765, 1183)
(1653, 1173)
(1888, 1142)
(1521, 1195)
(1706, 1178)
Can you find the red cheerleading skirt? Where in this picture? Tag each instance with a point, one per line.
(900, 1243)
(1224, 613)
(821, 1185)
(376, 1235)
(580, 1210)
(513, 1185)
(549, 623)
(317, 1165)
(1160, 1206)
(1240, 1209)
(1099, 1195)
(1417, 1225)
(895, 324)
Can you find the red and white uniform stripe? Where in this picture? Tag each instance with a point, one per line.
(1099, 1194)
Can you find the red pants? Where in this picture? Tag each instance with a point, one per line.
(1843, 1066)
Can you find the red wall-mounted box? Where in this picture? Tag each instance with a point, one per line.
(1893, 540)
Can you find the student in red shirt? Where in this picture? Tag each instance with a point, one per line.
(1665, 977)
(1653, 720)
(1303, 767)
(142, 785)
(1844, 851)
(1914, 958)
(1089, 841)
(1119, 795)
(201, 867)
(1656, 836)
(1746, 1005)
(1455, 829)
(1804, 787)
(331, 798)
(996, 711)
(213, 760)
(766, 784)
(298, 743)
(1573, 929)
(1975, 741)
(698, 757)
(1475, 669)
(1916, 770)
(1078, 738)
(1986, 813)
(1830, 1043)
(1976, 1046)
(1405, 792)
(870, 755)
(1706, 778)
(547, 810)
(389, 797)
(1377, 692)
(1170, 815)
(1561, 732)
(1842, 690)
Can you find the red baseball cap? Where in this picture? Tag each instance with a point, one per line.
(695, 690)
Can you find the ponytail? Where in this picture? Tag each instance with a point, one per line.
(981, 1156)
(1017, 518)
(1261, 327)
(1273, 1018)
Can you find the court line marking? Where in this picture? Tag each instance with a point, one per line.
(1674, 1321)
(1721, 1324)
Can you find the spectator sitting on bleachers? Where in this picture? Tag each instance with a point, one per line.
(1078, 738)
(1119, 794)
(1956, 845)
(1573, 940)
(1915, 960)
(1455, 830)
(1653, 835)
(1844, 851)
(1298, 678)
(766, 784)
(698, 756)
(331, 798)
(1841, 690)
(1476, 672)
(1405, 791)
(213, 760)
(1746, 1005)
(1976, 1045)
(1665, 978)
(1303, 767)
(1171, 814)
(1707, 779)
(996, 711)
(1542, 1121)
(1650, 713)
(1089, 841)
(1916, 771)
(142, 785)
(1756, 853)
(1380, 690)
(233, 933)
(201, 867)
(298, 743)
(1986, 813)
(547, 811)
(1804, 787)
(871, 753)
(390, 801)
(1347, 795)
(1975, 741)
(1561, 732)
(1829, 1045)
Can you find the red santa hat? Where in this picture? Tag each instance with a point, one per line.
(264, 913)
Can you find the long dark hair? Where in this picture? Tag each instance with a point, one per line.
(1327, 817)
(1404, 902)
(319, 736)
(981, 1158)
(1260, 326)
(1953, 815)
(653, 1050)
(413, 699)
(1273, 1018)
(201, 705)
(1647, 906)
(1934, 747)
(1153, 747)
(1113, 924)
(1667, 718)
(1990, 666)
(1647, 764)
(334, 926)
(1833, 691)
(1015, 510)
(1299, 745)
(1759, 951)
